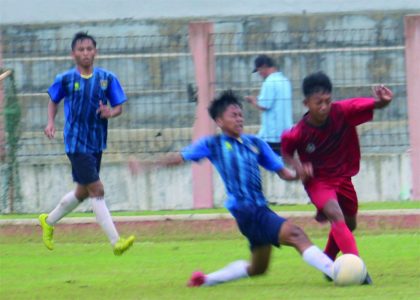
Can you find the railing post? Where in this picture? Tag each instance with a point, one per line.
(412, 58)
(200, 37)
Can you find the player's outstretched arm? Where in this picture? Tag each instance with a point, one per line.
(383, 96)
(137, 166)
(304, 171)
(287, 174)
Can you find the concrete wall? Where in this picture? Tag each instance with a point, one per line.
(44, 180)
(384, 177)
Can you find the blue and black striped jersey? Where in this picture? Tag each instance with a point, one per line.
(237, 161)
(84, 130)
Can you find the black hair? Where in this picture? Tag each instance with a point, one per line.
(315, 83)
(219, 105)
(80, 36)
(263, 60)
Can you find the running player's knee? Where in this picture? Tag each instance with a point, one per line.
(351, 223)
(96, 190)
(297, 234)
(352, 226)
(296, 238)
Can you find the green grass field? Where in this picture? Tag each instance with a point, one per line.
(82, 266)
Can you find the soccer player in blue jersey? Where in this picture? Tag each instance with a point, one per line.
(91, 96)
(237, 157)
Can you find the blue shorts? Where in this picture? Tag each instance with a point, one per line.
(85, 167)
(259, 224)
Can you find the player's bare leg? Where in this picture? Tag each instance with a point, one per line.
(292, 235)
(260, 260)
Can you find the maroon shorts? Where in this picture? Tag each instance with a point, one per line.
(340, 189)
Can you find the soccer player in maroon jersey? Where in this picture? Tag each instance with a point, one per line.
(329, 155)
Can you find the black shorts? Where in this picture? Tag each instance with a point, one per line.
(259, 224)
(85, 167)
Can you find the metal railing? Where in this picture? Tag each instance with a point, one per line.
(157, 74)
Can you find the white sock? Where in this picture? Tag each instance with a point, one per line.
(103, 217)
(66, 205)
(318, 259)
(233, 271)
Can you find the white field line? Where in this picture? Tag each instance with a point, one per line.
(203, 217)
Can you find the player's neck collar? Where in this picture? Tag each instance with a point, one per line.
(85, 76)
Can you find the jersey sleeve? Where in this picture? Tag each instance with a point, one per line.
(115, 92)
(289, 141)
(197, 150)
(357, 110)
(56, 91)
(268, 159)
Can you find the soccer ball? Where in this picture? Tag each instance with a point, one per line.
(349, 269)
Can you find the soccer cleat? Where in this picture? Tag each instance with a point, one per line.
(47, 232)
(328, 278)
(123, 245)
(368, 280)
(197, 279)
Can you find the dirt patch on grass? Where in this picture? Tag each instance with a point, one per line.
(199, 229)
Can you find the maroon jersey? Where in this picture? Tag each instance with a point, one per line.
(333, 148)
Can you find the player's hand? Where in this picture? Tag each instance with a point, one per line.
(138, 167)
(305, 171)
(104, 111)
(383, 95)
(134, 165)
(49, 131)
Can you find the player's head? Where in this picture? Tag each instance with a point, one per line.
(83, 47)
(226, 111)
(81, 36)
(317, 90)
(317, 82)
(264, 65)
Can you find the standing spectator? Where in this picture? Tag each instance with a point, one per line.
(86, 92)
(274, 102)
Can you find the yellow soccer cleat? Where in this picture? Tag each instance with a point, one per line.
(123, 245)
(47, 232)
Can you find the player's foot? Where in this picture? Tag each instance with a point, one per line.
(197, 279)
(328, 278)
(47, 232)
(123, 245)
(368, 280)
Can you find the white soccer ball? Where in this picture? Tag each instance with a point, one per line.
(349, 269)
